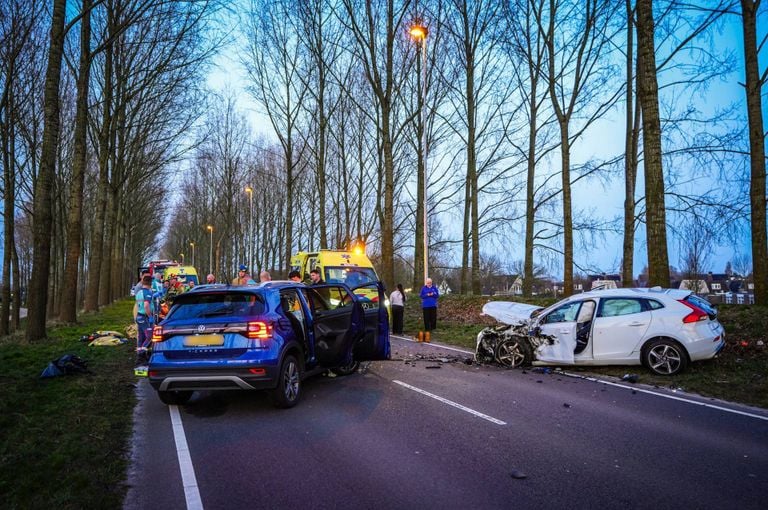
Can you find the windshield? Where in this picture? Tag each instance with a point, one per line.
(219, 304)
(351, 276)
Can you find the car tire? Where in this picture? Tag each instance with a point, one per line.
(664, 356)
(348, 369)
(514, 352)
(288, 389)
(174, 398)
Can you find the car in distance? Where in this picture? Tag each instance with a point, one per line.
(662, 329)
(264, 337)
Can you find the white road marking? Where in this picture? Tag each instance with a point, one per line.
(672, 397)
(463, 351)
(188, 479)
(451, 403)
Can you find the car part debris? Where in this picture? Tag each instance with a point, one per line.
(517, 475)
(510, 346)
(632, 378)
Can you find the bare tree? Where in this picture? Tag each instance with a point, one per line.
(576, 79)
(648, 95)
(38, 291)
(757, 191)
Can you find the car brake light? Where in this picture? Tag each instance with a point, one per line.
(259, 330)
(696, 315)
(157, 334)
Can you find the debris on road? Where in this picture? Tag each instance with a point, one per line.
(517, 475)
(631, 378)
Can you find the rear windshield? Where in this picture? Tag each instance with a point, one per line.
(220, 304)
(703, 304)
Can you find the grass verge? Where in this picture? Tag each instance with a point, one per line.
(738, 374)
(64, 440)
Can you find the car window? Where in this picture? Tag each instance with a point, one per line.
(220, 304)
(566, 313)
(368, 295)
(316, 302)
(703, 304)
(653, 304)
(352, 276)
(613, 307)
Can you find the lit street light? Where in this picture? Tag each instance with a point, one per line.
(419, 33)
(249, 190)
(210, 255)
(193, 253)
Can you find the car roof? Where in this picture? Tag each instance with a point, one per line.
(637, 291)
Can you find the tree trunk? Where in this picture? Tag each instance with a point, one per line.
(97, 239)
(630, 160)
(75, 220)
(9, 195)
(648, 95)
(757, 152)
(38, 288)
(565, 156)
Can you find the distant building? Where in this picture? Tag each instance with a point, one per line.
(604, 281)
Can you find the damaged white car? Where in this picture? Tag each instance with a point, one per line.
(662, 329)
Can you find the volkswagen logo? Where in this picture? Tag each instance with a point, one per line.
(201, 329)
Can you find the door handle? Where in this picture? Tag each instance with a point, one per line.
(565, 331)
(637, 323)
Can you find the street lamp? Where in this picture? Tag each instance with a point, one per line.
(419, 34)
(193, 252)
(210, 255)
(249, 190)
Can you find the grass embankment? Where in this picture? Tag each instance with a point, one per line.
(64, 440)
(738, 374)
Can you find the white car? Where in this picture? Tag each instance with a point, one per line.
(662, 329)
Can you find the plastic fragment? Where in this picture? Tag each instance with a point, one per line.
(632, 378)
(517, 475)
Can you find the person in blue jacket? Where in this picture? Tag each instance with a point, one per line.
(429, 296)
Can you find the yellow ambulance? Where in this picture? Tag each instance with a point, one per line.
(352, 268)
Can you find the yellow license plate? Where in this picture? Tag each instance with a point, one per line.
(195, 340)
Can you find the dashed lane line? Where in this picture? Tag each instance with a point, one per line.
(451, 403)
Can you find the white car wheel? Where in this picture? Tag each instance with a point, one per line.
(665, 357)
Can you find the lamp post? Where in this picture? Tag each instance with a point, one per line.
(419, 33)
(210, 255)
(249, 190)
(193, 252)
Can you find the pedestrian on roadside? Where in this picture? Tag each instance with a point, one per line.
(294, 276)
(315, 277)
(264, 276)
(210, 279)
(143, 313)
(137, 287)
(397, 302)
(242, 276)
(429, 295)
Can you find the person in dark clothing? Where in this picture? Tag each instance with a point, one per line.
(314, 275)
(429, 295)
(397, 302)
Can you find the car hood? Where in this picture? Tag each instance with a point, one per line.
(509, 312)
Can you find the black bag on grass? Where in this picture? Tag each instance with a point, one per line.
(65, 365)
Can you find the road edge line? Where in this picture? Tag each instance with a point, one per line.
(451, 403)
(188, 479)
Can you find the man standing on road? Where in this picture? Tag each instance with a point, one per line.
(294, 276)
(429, 296)
(314, 275)
(264, 276)
(242, 276)
(143, 311)
(210, 279)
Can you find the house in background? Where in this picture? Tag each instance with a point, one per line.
(604, 281)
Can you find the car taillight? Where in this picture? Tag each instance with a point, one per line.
(259, 330)
(696, 315)
(157, 334)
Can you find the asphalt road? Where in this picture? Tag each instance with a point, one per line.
(405, 434)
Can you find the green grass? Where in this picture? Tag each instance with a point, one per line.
(738, 374)
(64, 440)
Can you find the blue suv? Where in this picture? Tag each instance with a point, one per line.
(265, 337)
